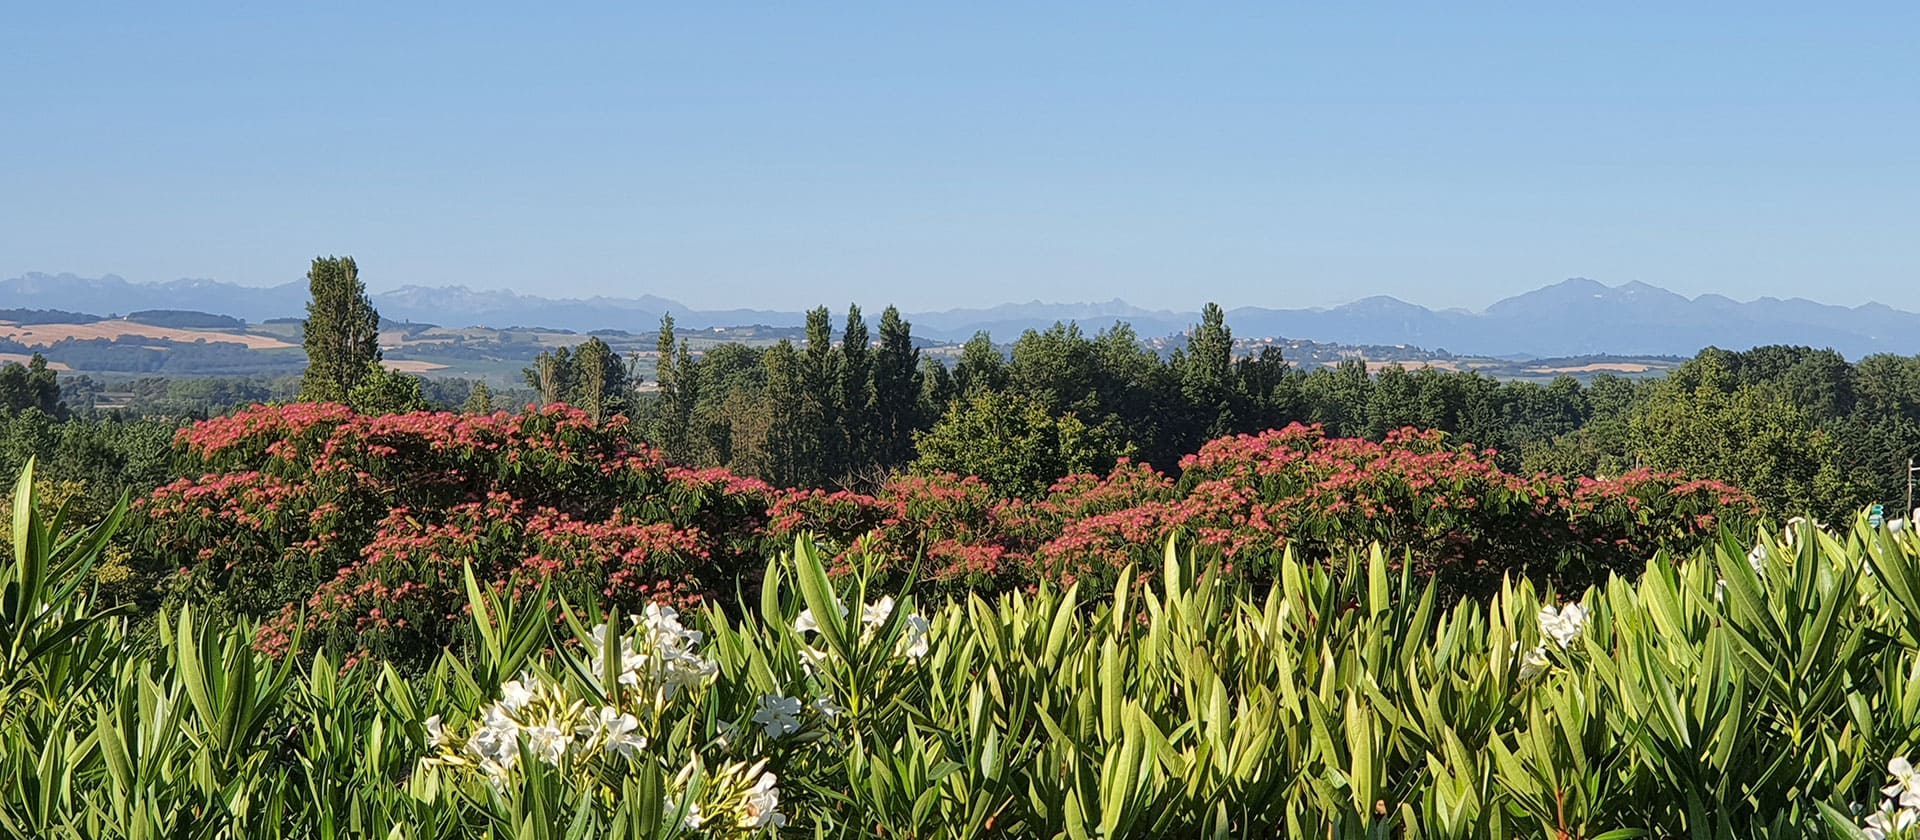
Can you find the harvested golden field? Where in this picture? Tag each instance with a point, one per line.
(1597, 367)
(42, 335)
(411, 365)
(24, 358)
(1414, 364)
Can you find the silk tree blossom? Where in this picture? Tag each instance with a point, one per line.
(1562, 624)
(778, 716)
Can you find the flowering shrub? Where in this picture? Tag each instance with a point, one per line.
(1452, 511)
(356, 527)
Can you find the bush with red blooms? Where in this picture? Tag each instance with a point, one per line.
(358, 527)
(1448, 509)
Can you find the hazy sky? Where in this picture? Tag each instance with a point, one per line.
(788, 154)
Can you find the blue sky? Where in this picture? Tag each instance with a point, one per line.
(781, 155)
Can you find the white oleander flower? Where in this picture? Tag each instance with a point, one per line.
(827, 708)
(618, 731)
(694, 819)
(436, 732)
(914, 643)
(812, 659)
(778, 716)
(549, 742)
(515, 694)
(1905, 789)
(497, 741)
(1562, 624)
(761, 806)
(1534, 663)
(1889, 822)
(876, 613)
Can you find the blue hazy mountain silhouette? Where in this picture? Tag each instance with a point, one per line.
(1574, 317)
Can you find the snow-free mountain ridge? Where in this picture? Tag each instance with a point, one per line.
(1574, 317)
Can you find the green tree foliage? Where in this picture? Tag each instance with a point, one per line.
(342, 331)
(981, 366)
(1016, 443)
(383, 391)
(30, 386)
(896, 391)
(479, 400)
(1206, 376)
(551, 375)
(856, 393)
(793, 433)
(1703, 421)
(820, 389)
(590, 377)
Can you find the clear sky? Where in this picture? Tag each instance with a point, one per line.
(781, 155)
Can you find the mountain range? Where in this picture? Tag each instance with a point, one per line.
(1574, 317)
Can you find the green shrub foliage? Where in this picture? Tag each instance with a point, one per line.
(1759, 692)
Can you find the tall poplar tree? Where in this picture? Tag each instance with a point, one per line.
(792, 439)
(896, 391)
(342, 331)
(820, 395)
(856, 393)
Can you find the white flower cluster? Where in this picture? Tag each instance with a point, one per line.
(535, 719)
(747, 796)
(779, 715)
(913, 644)
(1900, 812)
(534, 713)
(1561, 625)
(659, 658)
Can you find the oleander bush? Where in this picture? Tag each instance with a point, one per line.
(1764, 691)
